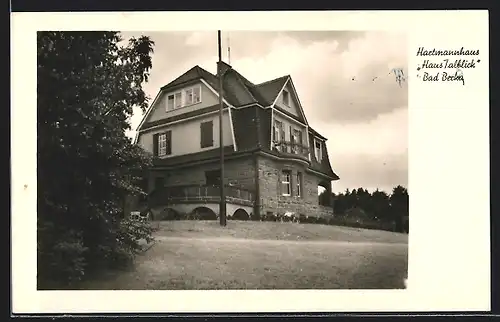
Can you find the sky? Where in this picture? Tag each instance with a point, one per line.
(344, 83)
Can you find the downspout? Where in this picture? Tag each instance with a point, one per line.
(257, 205)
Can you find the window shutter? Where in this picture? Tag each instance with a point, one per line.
(206, 134)
(211, 133)
(169, 142)
(280, 185)
(155, 144)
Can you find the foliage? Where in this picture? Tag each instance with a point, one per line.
(380, 209)
(88, 85)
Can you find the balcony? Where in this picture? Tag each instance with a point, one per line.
(199, 194)
(290, 148)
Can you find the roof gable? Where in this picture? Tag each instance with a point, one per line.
(293, 108)
(268, 91)
(192, 74)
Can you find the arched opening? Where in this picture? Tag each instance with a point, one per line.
(240, 214)
(203, 213)
(168, 214)
(325, 194)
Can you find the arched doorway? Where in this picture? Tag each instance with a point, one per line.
(240, 214)
(203, 213)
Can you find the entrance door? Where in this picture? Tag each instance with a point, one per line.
(212, 177)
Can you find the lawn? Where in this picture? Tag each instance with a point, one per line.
(264, 255)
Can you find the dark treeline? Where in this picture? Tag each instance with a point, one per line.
(378, 209)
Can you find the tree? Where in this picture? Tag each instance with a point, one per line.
(88, 85)
(399, 201)
(381, 207)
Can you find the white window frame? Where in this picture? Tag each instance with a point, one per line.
(178, 101)
(277, 131)
(287, 103)
(188, 96)
(173, 102)
(181, 97)
(162, 144)
(286, 175)
(295, 140)
(318, 153)
(199, 92)
(299, 183)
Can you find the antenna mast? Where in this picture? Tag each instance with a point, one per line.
(228, 50)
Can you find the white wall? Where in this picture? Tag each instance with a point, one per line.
(293, 106)
(208, 98)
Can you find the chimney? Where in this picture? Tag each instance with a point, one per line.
(222, 67)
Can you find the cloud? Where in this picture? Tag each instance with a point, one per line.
(369, 155)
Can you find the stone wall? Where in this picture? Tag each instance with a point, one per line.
(239, 172)
(272, 199)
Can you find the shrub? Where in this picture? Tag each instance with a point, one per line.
(255, 217)
(60, 256)
(129, 234)
(321, 220)
(270, 217)
(310, 220)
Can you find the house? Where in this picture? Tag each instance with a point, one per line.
(270, 150)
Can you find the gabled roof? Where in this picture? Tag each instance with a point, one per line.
(237, 90)
(252, 125)
(269, 90)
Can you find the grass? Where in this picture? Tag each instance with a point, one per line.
(264, 255)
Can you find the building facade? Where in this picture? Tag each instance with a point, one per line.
(270, 149)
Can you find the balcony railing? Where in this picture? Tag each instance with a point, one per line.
(290, 147)
(199, 193)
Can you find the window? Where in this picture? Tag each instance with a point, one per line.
(170, 102)
(317, 150)
(299, 183)
(286, 98)
(186, 97)
(162, 143)
(296, 138)
(286, 183)
(212, 177)
(278, 133)
(206, 134)
(196, 94)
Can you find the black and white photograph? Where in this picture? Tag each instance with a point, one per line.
(250, 162)
(309, 136)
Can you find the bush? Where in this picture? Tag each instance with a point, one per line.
(129, 234)
(321, 220)
(365, 224)
(255, 217)
(270, 217)
(309, 220)
(67, 256)
(60, 256)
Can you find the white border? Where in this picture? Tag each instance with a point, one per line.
(449, 256)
